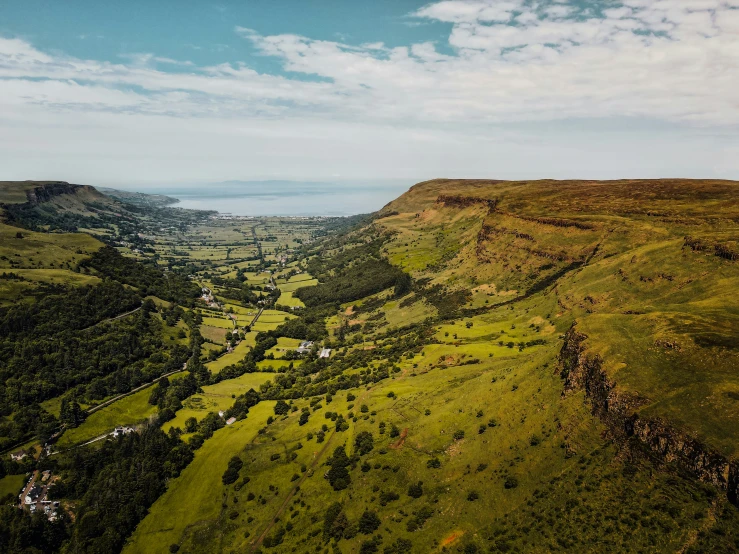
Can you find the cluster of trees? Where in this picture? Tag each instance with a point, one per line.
(53, 347)
(354, 282)
(149, 280)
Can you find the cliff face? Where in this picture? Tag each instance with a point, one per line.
(618, 411)
(46, 192)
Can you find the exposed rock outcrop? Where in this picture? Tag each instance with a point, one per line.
(618, 410)
(466, 201)
(46, 192)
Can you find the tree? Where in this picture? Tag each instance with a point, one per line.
(191, 425)
(364, 443)
(338, 475)
(281, 408)
(415, 490)
(71, 414)
(403, 285)
(368, 522)
(334, 522)
(303, 418)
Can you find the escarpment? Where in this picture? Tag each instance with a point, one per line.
(46, 192)
(619, 411)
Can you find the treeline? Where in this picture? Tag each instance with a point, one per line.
(352, 283)
(84, 364)
(64, 308)
(149, 280)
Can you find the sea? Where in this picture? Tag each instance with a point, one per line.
(285, 198)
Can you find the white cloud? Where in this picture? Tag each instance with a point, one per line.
(507, 62)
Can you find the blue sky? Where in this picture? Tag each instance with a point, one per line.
(169, 92)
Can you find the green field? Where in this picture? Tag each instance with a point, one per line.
(195, 495)
(287, 299)
(229, 358)
(12, 485)
(126, 411)
(216, 397)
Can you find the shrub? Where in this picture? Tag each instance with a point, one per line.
(232, 471)
(433, 463)
(415, 490)
(368, 523)
(472, 496)
(388, 496)
(458, 435)
(364, 443)
(510, 482)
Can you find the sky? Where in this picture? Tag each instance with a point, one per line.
(145, 94)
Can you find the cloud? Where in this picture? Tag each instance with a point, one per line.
(503, 64)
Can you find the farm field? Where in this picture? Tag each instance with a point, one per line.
(216, 397)
(287, 299)
(229, 358)
(130, 410)
(12, 485)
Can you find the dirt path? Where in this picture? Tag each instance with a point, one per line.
(399, 443)
(291, 494)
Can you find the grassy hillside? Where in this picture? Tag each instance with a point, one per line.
(487, 433)
(545, 366)
(658, 310)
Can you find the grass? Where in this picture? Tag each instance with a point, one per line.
(213, 334)
(126, 411)
(195, 495)
(229, 358)
(12, 484)
(274, 365)
(221, 322)
(287, 299)
(43, 250)
(216, 397)
(283, 344)
(294, 285)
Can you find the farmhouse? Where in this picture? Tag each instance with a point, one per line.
(304, 347)
(33, 494)
(120, 431)
(230, 421)
(19, 455)
(325, 353)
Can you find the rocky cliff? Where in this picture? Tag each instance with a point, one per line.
(48, 191)
(619, 411)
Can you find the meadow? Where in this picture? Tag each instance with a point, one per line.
(129, 410)
(216, 397)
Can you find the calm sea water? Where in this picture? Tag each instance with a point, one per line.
(284, 197)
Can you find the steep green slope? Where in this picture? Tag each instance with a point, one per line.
(558, 377)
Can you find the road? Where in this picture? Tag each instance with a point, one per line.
(141, 387)
(112, 318)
